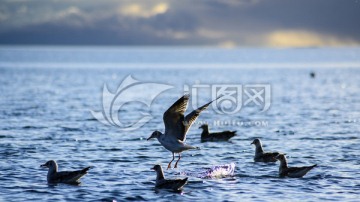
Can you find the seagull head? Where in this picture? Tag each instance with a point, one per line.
(256, 142)
(156, 167)
(203, 126)
(50, 164)
(280, 157)
(155, 134)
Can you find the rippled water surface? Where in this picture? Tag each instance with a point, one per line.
(47, 95)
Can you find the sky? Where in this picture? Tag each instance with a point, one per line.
(223, 23)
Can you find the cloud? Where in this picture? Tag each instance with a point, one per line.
(69, 12)
(138, 10)
(211, 34)
(173, 34)
(21, 16)
(227, 44)
(3, 16)
(301, 38)
(72, 16)
(223, 23)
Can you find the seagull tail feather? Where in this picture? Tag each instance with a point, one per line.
(86, 169)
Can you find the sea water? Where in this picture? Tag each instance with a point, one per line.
(49, 95)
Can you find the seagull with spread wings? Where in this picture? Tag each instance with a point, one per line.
(176, 127)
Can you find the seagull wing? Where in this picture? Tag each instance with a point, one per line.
(174, 118)
(224, 134)
(69, 176)
(270, 155)
(299, 171)
(172, 184)
(190, 118)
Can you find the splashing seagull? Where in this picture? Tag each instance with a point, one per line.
(284, 170)
(219, 136)
(176, 127)
(163, 183)
(70, 177)
(260, 155)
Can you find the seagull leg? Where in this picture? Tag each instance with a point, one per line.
(169, 165)
(177, 160)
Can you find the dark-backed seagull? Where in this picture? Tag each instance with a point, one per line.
(260, 155)
(71, 177)
(176, 127)
(284, 170)
(163, 183)
(219, 136)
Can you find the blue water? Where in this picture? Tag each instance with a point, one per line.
(48, 93)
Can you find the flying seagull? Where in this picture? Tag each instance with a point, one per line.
(176, 127)
(70, 177)
(163, 183)
(284, 170)
(219, 136)
(260, 155)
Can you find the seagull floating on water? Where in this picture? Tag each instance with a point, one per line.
(261, 156)
(284, 170)
(176, 127)
(163, 183)
(312, 74)
(71, 177)
(219, 136)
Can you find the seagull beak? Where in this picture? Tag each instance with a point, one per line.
(43, 166)
(148, 138)
(251, 143)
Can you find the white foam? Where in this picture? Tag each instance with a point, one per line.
(217, 171)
